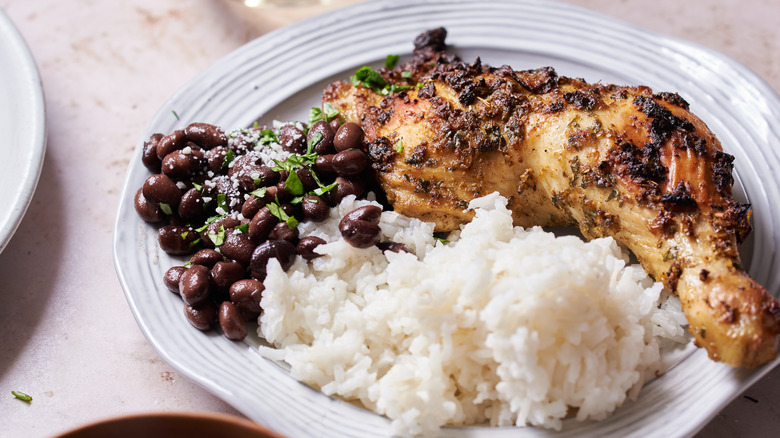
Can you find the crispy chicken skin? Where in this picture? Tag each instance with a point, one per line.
(615, 161)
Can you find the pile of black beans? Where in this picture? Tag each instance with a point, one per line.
(217, 200)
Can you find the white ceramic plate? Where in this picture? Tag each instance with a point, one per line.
(281, 75)
(23, 128)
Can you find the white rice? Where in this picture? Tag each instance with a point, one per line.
(501, 325)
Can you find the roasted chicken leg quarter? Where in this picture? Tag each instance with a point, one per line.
(614, 160)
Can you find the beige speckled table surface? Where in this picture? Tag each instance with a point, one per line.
(68, 336)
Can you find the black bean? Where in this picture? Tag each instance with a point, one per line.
(323, 165)
(147, 211)
(360, 227)
(252, 205)
(326, 134)
(177, 240)
(350, 162)
(171, 142)
(203, 317)
(251, 173)
(149, 156)
(246, 294)
(306, 247)
(391, 246)
(344, 187)
(160, 189)
(281, 250)
(348, 136)
(237, 246)
(183, 164)
(216, 159)
(192, 206)
(314, 208)
(292, 139)
(205, 135)
(282, 231)
(261, 225)
(231, 322)
(195, 285)
(282, 193)
(171, 278)
(206, 257)
(224, 274)
(334, 124)
(307, 179)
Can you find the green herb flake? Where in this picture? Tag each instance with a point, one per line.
(293, 184)
(194, 243)
(259, 193)
(406, 74)
(315, 115)
(218, 238)
(184, 235)
(166, 208)
(391, 61)
(208, 222)
(198, 187)
(324, 189)
(222, 203)
(277, 211)
(369, 78)
(441, 239)
(315, 138)
(294, 162)
(175, 115)
(330, 112)
(326, 113)
(267, 136)
(244, 228)
(399, 147)
(22, 396)
(229, 157)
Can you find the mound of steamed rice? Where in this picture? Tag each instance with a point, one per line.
(503, 325)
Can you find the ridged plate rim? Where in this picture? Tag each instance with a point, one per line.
(23, 124)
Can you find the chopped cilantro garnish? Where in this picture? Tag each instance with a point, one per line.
(277, 211)
(175, 115)
(267, 136)
(193, 243)
(441, 239)
(294, 162)
(244, 228)
(326, 113)
(22, 396)
(330, 112)
(207, 223)
(321, 190)
(293, 184)
(222, 203)
(406, 74)
(315, 115)
(184, 235)
(198, 187)
(391, 61)
(259, 193)
(166, 208)
(315, 138)
(229, 157)
(399, 147)
(218, 238)
(369, 78)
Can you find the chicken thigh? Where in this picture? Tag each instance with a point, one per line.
(614, 160)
